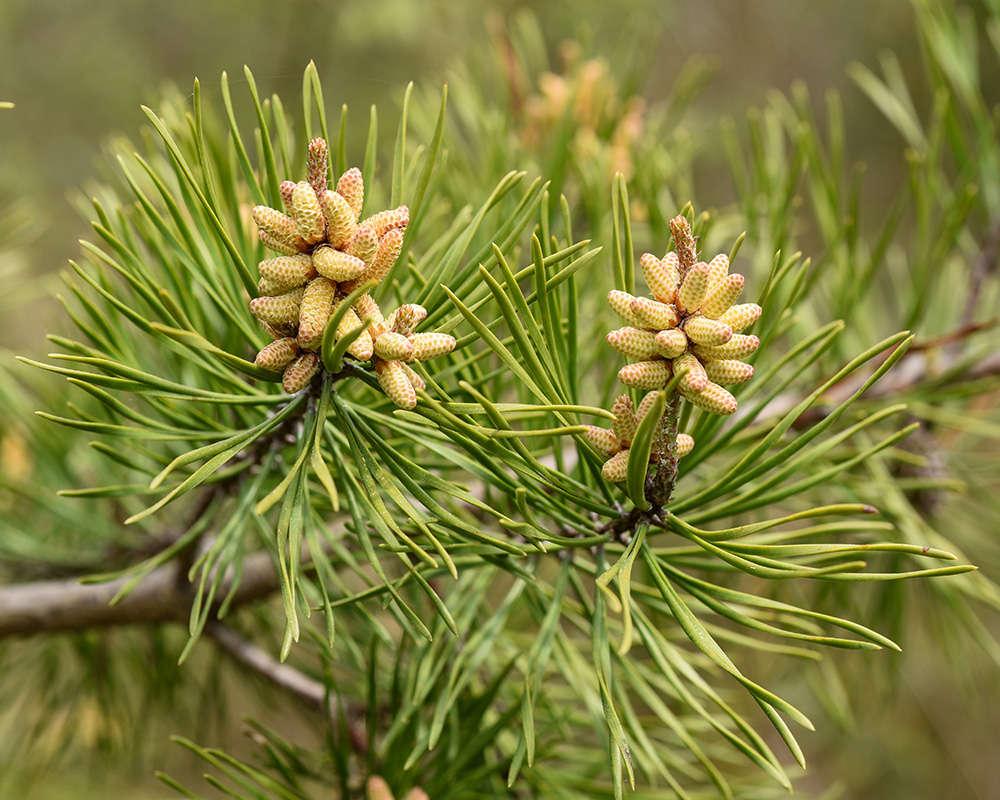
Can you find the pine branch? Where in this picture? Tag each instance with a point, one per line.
(912, 371)
(162, 596)
(309, 691)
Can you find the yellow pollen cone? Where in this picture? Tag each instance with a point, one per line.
(389, 248)
(286, 272)
(741, 317)
(693, 288)
(277, 331)
(671, 343)
(279, 246)
(396, 383)
(634, 343)
(729, 372)
(300, 372)
(621, 302)
(645, 374)
(337, 265)
(367, 308)
(695, 380)
(603, 439)
(361, 348)
(654, 314)
(278, 229)
(315, 311)
(280, 310)
(277, 355)
(644, 405)
(721, 296)
(739, 346)
(702, 330)
(660, 277)
(393, 347)
(431, 345)
(340, 220)
(415, 377)
(625, 423)
(615, 469)
(713, 399)
(307, 213)
(718, 268)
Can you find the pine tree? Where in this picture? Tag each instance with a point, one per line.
(525, 505)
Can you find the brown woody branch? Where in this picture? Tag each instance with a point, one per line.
(162, 596)
(311, 692)
(913, 369)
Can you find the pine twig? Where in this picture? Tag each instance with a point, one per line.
(309, 691)
(161, 596)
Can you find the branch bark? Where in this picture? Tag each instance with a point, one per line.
(309, 691)
(162, 596)
(910, 372)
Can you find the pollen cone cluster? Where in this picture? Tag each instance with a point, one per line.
(324, 251)
(692, 321)
(395, 346)
(615, 443)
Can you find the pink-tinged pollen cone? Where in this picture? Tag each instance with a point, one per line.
(277, 355)
(695, 379)
(671, 343)
(363, 244)
(634, 343)
(300, 372)
(351, 187)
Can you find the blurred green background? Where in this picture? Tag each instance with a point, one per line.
(78, 73)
